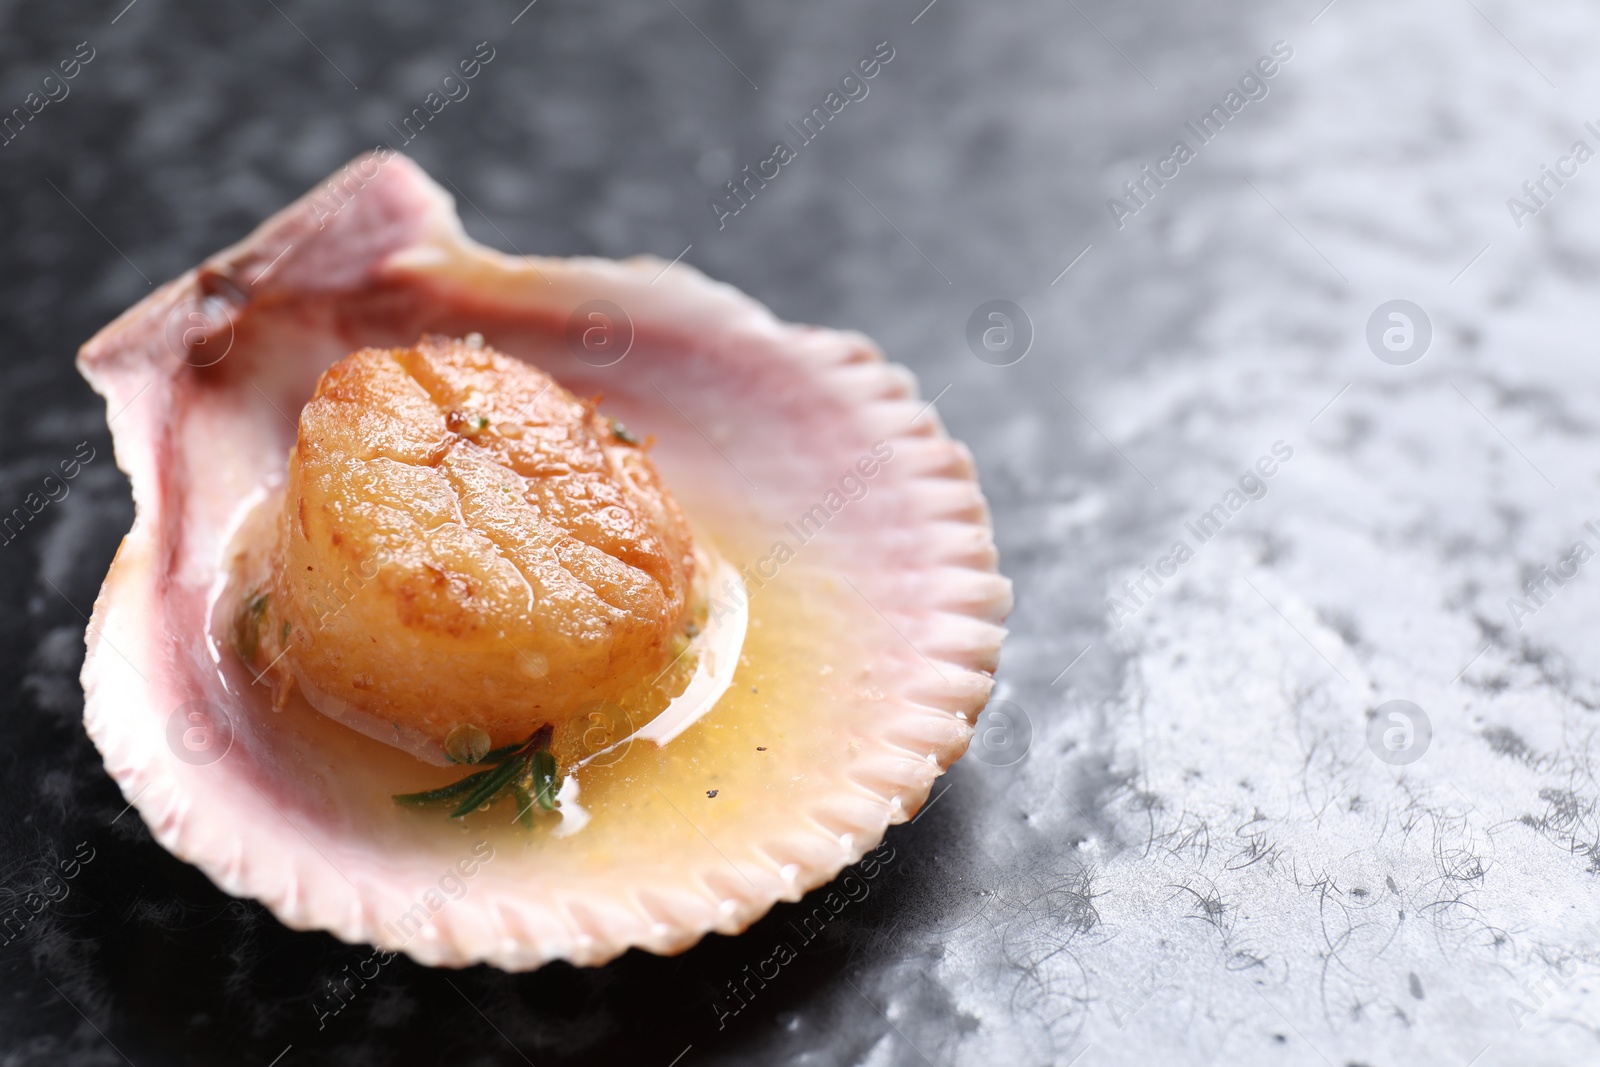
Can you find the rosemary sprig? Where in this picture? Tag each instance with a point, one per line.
(526, 769)
(543, 766)
(504, 752)
(490, 786)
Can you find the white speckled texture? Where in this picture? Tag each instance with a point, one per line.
(1251, 884)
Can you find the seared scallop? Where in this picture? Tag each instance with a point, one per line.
(468, 549)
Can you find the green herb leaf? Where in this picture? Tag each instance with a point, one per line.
(443, 793)
(493, 784)
(526, 769)
(622, 433)
(543, 766)
(504, 752)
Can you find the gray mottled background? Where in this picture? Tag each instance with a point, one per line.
(1200, 858)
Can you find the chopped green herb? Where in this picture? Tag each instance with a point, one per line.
(505, 752)
(622, 433)
(467, 425)
(435, 796)
(491, 786)
(543, 766)
(526, 770)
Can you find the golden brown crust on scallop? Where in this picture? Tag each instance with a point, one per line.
(465, 542)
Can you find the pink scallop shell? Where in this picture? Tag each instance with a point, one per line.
(737, 400)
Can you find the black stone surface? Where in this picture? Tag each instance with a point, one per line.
(976, 168)
(596, 129)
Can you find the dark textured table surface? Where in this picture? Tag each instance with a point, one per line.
(1201, 857)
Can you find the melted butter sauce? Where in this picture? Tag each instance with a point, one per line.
(773, 740)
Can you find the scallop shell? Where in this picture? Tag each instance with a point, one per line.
(876, 635)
